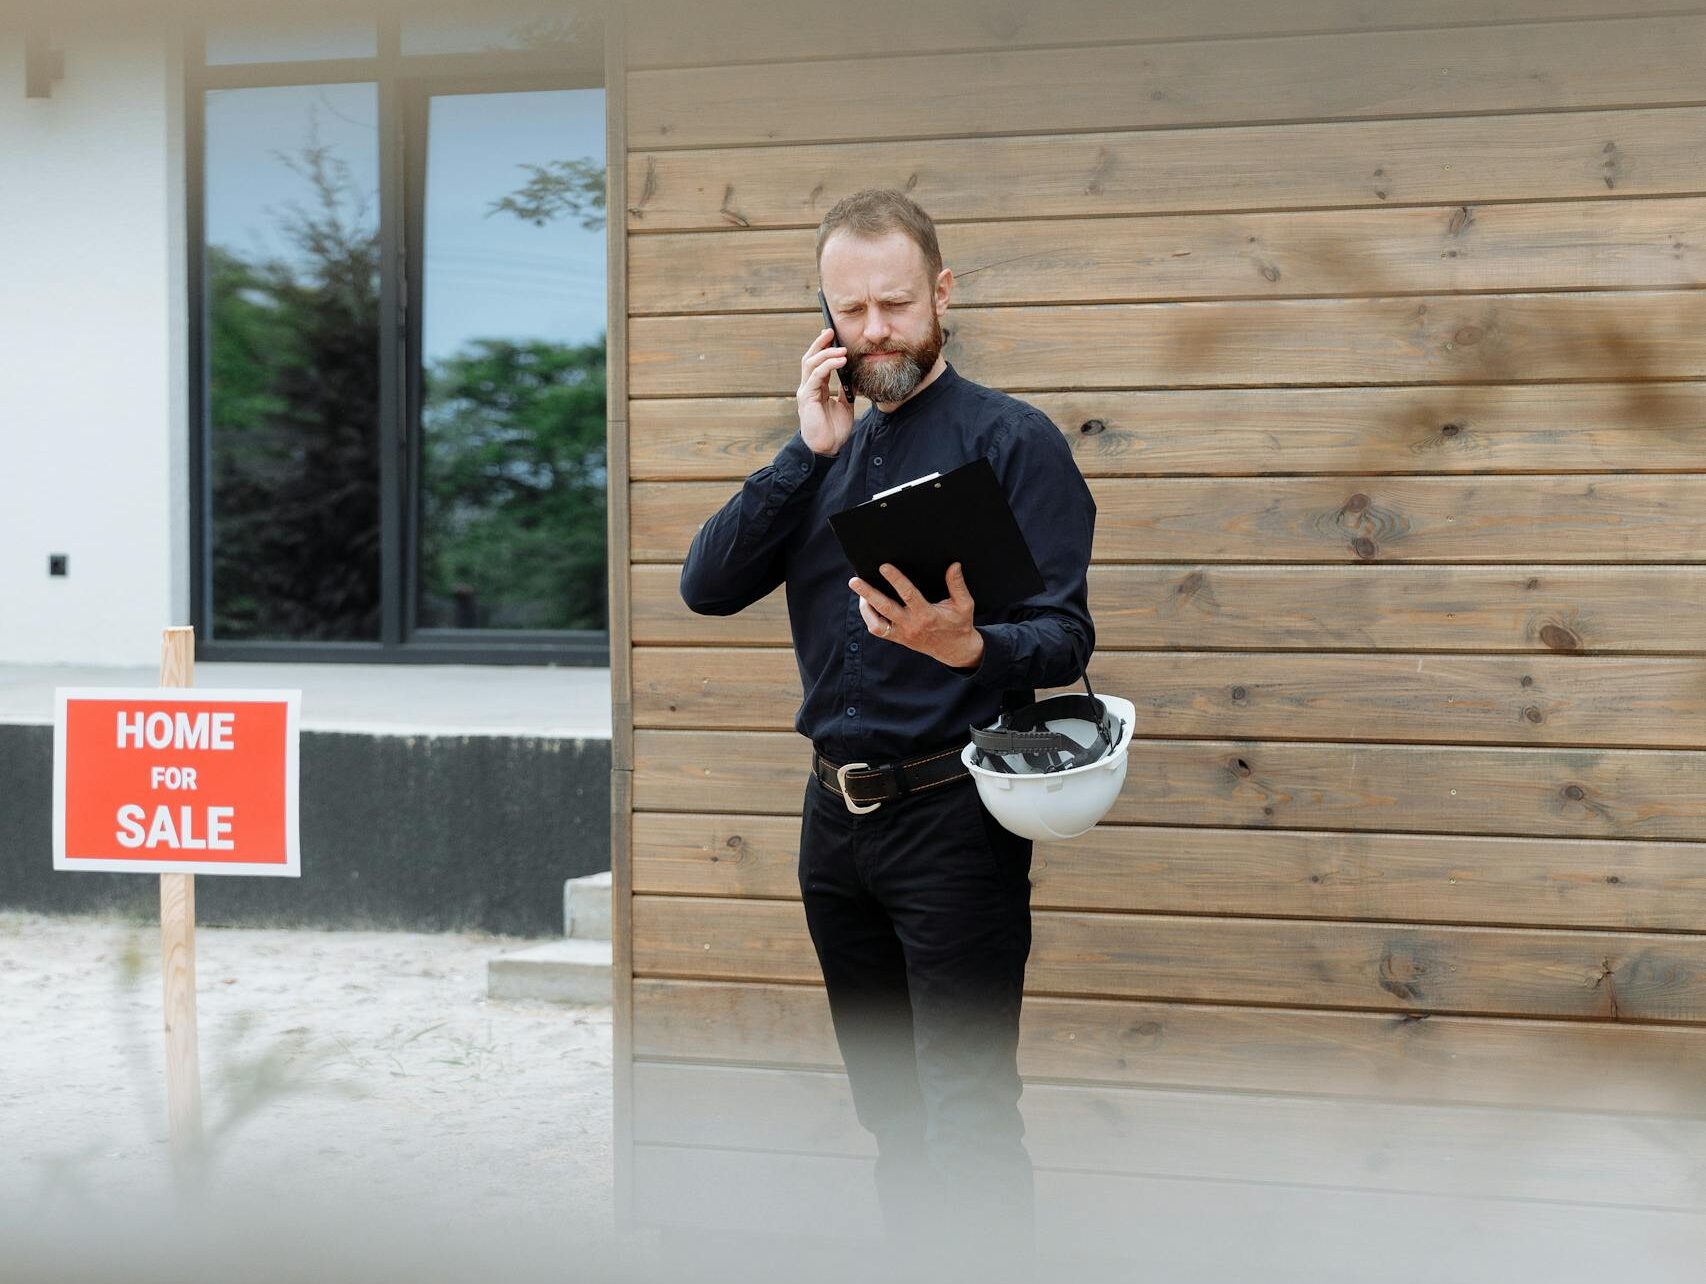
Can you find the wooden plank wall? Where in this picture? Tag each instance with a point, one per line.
(1376, 328)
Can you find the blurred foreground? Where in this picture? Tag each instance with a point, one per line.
(371, 1116)
(361, 1096)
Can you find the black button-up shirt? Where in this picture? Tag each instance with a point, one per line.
(874, 701)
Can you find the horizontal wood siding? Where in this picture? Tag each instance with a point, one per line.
(1564, 1065)
(1528, 700)
(1194, 958)
(1641, 426)
(1590, 155)
(1313, 874)
(1362, 75)
(1360, 785)
(1561, 610)
(1430, 338)
(1379, 333)
(1166, 258)
(1600, 517)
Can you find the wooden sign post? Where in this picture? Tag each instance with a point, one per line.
(177, 782)
(177, 956)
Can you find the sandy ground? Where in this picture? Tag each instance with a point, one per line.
(362, 1097)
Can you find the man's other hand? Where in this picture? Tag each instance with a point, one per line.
(826, 418)
(941, 630)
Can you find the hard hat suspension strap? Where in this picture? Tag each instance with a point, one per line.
(1024, 732)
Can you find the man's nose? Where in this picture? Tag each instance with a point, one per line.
(876, 327)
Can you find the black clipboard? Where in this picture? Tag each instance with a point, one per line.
(924, 528)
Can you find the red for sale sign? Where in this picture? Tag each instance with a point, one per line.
(176, 781)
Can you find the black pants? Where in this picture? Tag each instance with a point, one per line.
(921, 915)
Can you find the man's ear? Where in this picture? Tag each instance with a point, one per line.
(944, 287)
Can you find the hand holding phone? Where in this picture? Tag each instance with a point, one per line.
(826, 419)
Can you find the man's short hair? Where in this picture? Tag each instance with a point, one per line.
(878, 211)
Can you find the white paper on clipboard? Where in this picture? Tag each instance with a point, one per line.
(916, 481)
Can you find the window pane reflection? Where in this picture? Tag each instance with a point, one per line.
(512, 496)
(292, 296)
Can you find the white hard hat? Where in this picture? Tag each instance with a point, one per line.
(1053, 769)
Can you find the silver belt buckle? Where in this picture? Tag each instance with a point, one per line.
(858, 809)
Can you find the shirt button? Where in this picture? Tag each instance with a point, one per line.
(853, 647)
(852, 712)
(878, 461)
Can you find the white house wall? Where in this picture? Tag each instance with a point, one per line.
(93, 427)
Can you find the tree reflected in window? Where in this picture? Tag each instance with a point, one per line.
(512, 405)
(514, 534)
(504, 495)
(293, 392)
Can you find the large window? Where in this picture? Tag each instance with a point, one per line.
(400, 312)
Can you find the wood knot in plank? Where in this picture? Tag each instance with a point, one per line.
(728, 212)
(1367, 524)
(1099, 172)
(1149, 1030)
(1576, 802)
(647, 190)
(1611, 164)
(1606, 980)
(1401, 974)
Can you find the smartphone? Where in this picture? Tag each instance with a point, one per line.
(829, 322)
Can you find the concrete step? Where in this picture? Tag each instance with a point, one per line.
(567, 971)
(586, 907)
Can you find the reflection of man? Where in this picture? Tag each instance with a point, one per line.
(920, 908)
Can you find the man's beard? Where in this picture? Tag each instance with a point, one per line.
(896, 378)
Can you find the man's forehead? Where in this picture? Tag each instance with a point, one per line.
(859, 265)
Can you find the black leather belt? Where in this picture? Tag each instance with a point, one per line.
(865, 788)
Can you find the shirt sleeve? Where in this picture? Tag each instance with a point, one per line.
(738, 555)
(1046, 640)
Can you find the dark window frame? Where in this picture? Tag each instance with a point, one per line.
(403, 84)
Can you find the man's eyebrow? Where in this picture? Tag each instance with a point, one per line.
(887, 296)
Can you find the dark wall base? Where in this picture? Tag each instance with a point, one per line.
(418, 833)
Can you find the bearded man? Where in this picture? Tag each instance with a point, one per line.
(918, 907)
